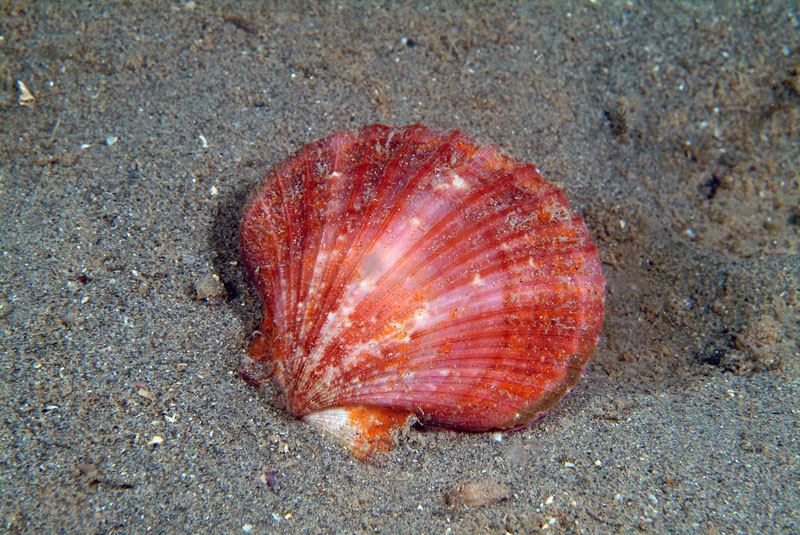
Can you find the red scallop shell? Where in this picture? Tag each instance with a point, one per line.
(408, 272)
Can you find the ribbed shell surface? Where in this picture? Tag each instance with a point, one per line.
(420, 271)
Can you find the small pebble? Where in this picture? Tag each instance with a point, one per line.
(551, 521)
(209, 286)
(145, 393)
(479, 493)
(5, 306)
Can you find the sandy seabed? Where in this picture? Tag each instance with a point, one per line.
(131, 133)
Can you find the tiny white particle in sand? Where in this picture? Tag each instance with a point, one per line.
(110, 140)
(336, 174)
(550, 499)
(203, 141)
(476, 280)
(497, 437)
(214, 191)
(247, 528)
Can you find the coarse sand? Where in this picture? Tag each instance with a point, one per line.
(132, 132)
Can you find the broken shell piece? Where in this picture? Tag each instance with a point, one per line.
(26, 98)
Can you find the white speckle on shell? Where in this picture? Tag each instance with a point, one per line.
(458, 182)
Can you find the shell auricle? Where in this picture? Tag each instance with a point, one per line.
(414, 274)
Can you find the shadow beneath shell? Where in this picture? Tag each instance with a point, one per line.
(224, 243)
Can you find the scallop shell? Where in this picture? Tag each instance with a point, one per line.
(408, 273)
